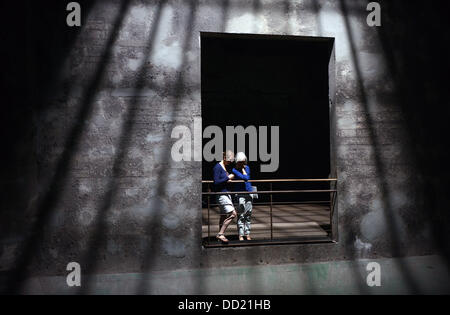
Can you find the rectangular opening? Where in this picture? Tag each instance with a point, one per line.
(264, 82)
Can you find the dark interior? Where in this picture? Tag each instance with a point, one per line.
(271, 81)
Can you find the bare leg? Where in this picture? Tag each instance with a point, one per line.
(222, 218)
(223, 224)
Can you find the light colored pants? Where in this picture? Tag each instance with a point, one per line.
(244, 214)
(227, 212)
(225, 203)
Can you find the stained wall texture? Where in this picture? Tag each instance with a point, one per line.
(89, 111)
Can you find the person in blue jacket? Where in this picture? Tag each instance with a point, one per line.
(222, 181)
(245, 201)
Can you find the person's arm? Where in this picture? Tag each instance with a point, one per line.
(220, 176)
(240, 175)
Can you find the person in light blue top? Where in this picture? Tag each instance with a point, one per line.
(245, 201)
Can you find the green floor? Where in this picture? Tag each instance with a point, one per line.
(426, 275)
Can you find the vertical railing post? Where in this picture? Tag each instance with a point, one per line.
(209, 232)
(333, 204)
(271, 226)
(333, 198)
(331, 213)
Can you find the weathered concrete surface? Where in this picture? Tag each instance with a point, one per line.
(337, 277)
(91, 177)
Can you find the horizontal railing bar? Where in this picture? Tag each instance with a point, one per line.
(276, 180)
(292, 212)
(282, 218)
(320, 220)
(292, 202)
(286, 203)
(258, 216)
(266, 192)
(268, 242)
(277, 209)
(281, 203)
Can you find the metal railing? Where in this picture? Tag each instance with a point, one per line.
(270, 203)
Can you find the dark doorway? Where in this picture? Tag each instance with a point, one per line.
(269, 80)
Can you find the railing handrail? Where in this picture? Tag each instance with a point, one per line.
(265, 192)
(276, 180)
(270, 192)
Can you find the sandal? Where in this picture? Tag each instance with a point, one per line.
(222, 238)
(248, 238)
(241, 238)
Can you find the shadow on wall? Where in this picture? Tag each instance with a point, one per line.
(417, 59)
(154, 246)
(40, 43)
(416, 52)
(36, 42)
(98, 239)
(40, 55)
(396, 248)
(415, 41)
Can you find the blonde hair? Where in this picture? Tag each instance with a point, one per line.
(228, 156)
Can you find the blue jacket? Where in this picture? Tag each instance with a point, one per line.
(220, 177)
(238, 175)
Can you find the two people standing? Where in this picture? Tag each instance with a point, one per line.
(223, 178)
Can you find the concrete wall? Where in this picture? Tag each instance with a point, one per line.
(334, 277)
(93, 180)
